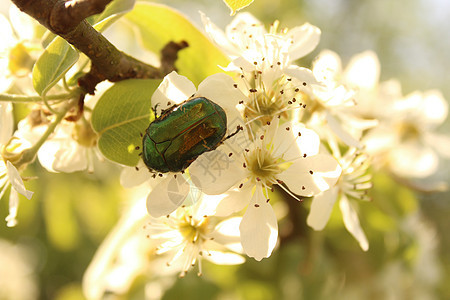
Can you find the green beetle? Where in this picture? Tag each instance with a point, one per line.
(182, 133)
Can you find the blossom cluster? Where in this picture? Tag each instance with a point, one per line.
(317, 134)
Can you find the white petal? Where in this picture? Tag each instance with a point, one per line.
(215, 172)
(327, 66)
(22, 23)
(131, 177)
(259, 228)
(325, 172)
(413, 160)
(240, 64)
(379, 139)
(338, 130)
(433, 108)
(218, 36)
(203, 205)
(363, 70)
(244, 21)
(46, 154)
(16, 180)
(301, 74)
(351, 222)
(174, 89)
(227, 234)
(6, 34)
(234, 201)
(220, 89)
(13, 206)
(224, 258)
(95, 279)
(321, 208)
(7, 122)
(167, 196)
(440, 142)
(71, 157)
(291, 145)
(305, 39)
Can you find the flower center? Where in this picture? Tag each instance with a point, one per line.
(264, 106)
(84, 134)
(266, 101)
(408, 131)
(193, 230)
(263, 166)
(20, 61)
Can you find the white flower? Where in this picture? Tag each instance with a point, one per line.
(18, 274)
(17, 49)
(353, 183)
(174, 89)
(264, 62)
(123, 255)
(9, 175)
(248, 44)
(142, 245)
(405, 141)
(190, 234)
(342, 94)
(284, 154)
(72, 146)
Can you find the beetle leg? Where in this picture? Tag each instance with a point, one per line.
(239, 128)
(205, 144)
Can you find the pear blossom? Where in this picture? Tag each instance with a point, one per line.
(354, 183)
(263, 60)
(248, 44)
(174, 89)
(405, 141)
(18, 49)
(191, 233)
(333, 103)
(161, 247)
(73, 144)
(9, 175)
(18, 272)
(123, 255)
(72, 147)
(283, 154)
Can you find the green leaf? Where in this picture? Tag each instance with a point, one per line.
(236, 5)
(158, 24)
(121, 115)
(53, 64)
(112, 12)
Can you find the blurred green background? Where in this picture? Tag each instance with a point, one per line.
(409, 256)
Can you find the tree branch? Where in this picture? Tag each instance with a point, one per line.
(67, 19)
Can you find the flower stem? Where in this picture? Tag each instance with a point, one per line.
(29, 154)
(28, 99)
